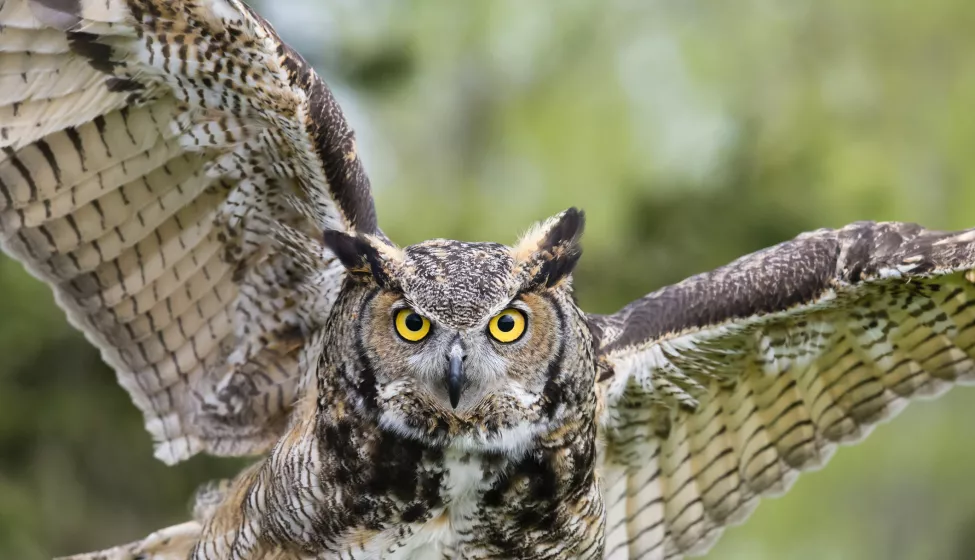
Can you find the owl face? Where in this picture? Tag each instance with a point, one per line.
(468, 344)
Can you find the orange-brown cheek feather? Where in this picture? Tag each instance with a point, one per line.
(528, 358)
(381, 317)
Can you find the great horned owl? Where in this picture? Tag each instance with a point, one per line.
(190, 190)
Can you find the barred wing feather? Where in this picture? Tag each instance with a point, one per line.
(166, 167)
(721, 389)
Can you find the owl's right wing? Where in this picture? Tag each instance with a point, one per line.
(167, 167)
(719, 390)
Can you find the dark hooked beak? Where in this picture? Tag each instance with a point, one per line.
(455, 378)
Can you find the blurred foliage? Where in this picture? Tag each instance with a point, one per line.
(691, 132)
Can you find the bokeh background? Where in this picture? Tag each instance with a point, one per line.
(690, 131)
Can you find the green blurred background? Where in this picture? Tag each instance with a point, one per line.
(691, 132)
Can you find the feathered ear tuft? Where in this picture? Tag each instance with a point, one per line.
(548, 253)
(367, 258)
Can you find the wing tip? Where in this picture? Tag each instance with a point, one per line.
(171, 543)
(177, 449)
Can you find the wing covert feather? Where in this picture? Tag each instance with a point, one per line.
(151, 155)
(721, 389)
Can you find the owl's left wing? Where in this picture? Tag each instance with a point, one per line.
(719, 390)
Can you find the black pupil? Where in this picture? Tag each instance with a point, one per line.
(506, 323)
(414, 322)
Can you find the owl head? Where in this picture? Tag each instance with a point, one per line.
(472, 344)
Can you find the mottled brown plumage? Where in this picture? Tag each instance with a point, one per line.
(190, 190)
(384, 457)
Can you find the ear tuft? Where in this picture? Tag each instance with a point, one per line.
(365, 257)
(548, 253)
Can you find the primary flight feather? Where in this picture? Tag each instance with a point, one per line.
(192, 193)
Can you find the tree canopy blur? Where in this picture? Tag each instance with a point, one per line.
(691, 132)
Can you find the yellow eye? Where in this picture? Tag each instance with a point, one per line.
(507, 326)
(411, 325)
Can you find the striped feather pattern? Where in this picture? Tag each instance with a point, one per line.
(149, 153)
(704, 420)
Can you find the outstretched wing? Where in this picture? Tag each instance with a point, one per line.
(166, 167)
(722, 388)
